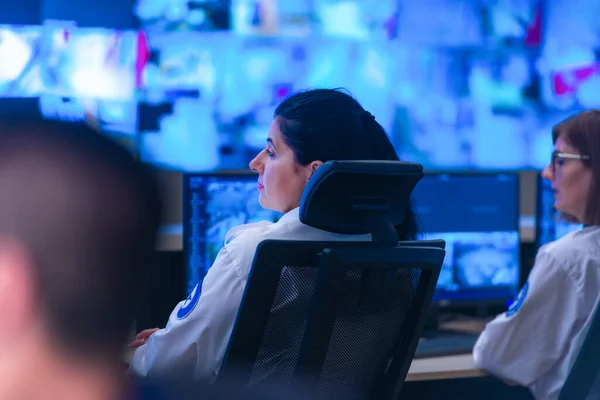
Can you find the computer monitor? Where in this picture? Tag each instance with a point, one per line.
(212, 205)
(548, 222)
(21, 60)
(477, 214)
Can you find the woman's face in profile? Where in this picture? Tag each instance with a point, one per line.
(281, 180)
(571, 181)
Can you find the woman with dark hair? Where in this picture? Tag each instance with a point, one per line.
(535, 342)
(309, 128)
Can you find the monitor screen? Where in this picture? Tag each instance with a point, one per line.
(22, 58)
(478, 217)
(426, 22)
(468, 109)
(348, 19)
(179, 135)
(510, 23)
(549, 225)
(569, 61)
(178, 91)
(181, 64)
(93, 63)
(170, 16)
(213, 204)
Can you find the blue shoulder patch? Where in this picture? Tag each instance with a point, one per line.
(516, 305)
(190, 303)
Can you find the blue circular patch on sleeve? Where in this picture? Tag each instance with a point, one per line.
(190, 303)
(516, 305)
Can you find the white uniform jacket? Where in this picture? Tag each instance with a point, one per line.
(536, 341)
(195, 339)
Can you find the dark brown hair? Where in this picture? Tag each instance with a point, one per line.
(582, 132)
(330, 124)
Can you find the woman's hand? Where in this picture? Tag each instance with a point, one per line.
(142, 338)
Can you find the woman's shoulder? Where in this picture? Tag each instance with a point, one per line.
(237, 231)
(574, 247)
(242, 241)
(576, 255)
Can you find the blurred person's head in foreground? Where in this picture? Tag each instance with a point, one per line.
(78, 219)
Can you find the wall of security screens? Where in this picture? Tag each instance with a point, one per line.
(478, 88)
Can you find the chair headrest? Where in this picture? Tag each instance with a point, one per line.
(348, 196)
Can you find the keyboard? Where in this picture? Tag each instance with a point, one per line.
(446, 344)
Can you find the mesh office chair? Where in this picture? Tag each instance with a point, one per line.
(341, 319)
(585, 372)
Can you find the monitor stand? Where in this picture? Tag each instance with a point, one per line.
(432, 322)
(447, 339)
(466, 325)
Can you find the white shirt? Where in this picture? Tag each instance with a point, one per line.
(536, 341)
(195, 339)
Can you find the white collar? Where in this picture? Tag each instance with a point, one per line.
(290, 216)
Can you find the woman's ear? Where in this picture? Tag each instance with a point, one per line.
(313, 166)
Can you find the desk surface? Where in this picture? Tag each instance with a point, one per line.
(451, 367)
(434, 368)
(428, 369)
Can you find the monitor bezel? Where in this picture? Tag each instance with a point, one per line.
(538, 213)
(538, 210)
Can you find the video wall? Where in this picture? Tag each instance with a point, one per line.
(457, 84)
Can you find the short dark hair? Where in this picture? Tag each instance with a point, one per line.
(582, 132)
(330, 124)
(87, 213)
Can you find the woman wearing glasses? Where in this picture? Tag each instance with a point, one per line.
(536, 341)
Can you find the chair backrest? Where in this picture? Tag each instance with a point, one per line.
(342, 319)
(585, 372)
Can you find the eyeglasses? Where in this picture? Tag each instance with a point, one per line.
(558, 158)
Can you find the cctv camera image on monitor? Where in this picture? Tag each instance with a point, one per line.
(64, 60)
(21, 61)
(94, 63)
(516, 23)
(349, 19)
(550, 226)
(488, 261)
(437, 22)
(478, 217)
(183, 15)
(178, 92)
(213, 204)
